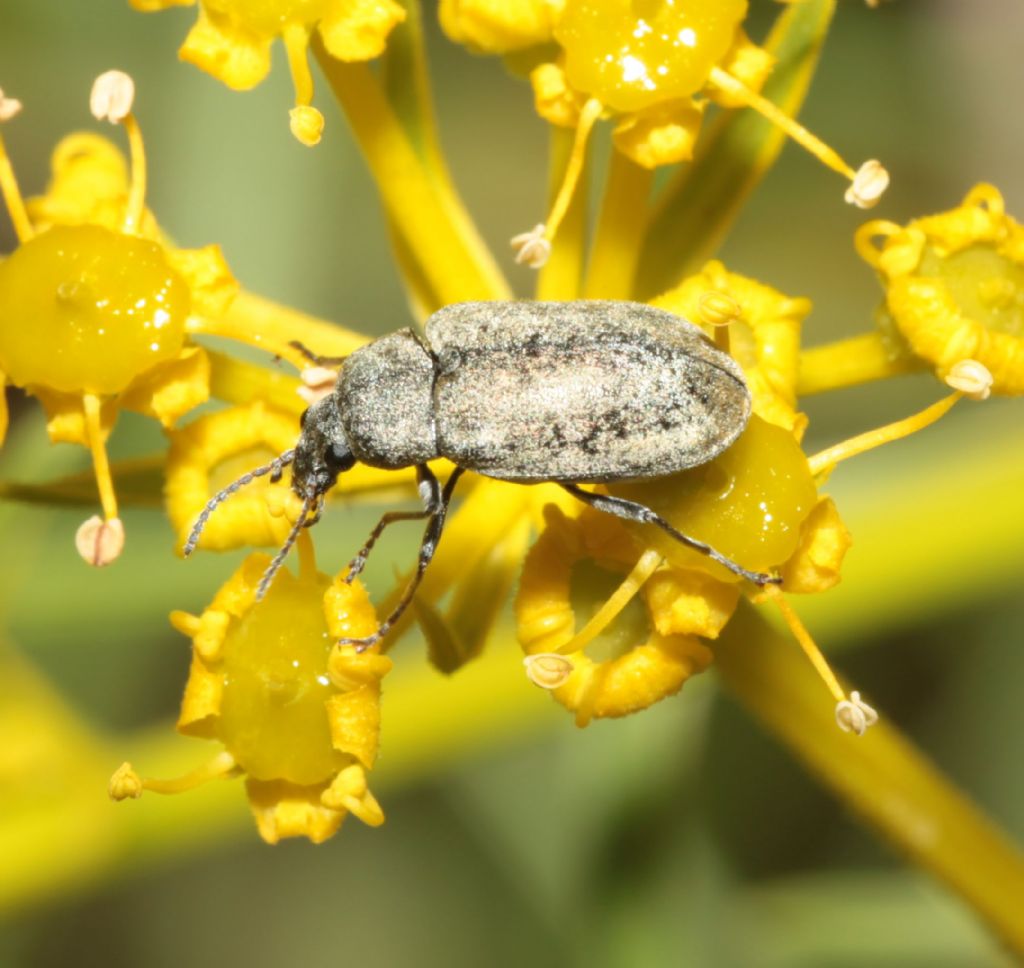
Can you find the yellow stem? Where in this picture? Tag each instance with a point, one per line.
(221, 765)
(825, 460)
(237, 382)
(848, 362)
(457, 265)
(648, 563)
(270, 326)
(136, 205)
(559, 279)
(101, 465)
(296, 43)
(13, 198)
(804, 640)
(620, 230)
(880, 775)
(589, 114)
(795, 130)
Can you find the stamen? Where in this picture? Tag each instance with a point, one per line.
(113, 94)
(306, 122)
(534, 247)
(127, 783)
(825, 460)
(275, 565)
(719, 309)
(868, 183)
(549, 670)
(101, 465)
(274, 468)
(646, 566)
(806, 643)
(317, 382)
(12, 196)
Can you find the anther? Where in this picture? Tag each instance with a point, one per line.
(531, 248)
(971, 378)
(112, 95)
(869, 184)
(855, 716)
(549, 670)
(100, 542)
(9, 107)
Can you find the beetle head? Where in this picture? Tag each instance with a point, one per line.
(322, 451)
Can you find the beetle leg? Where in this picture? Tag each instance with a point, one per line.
(315, 358)
(437, 510)
(632, 511)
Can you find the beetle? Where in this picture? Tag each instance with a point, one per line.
(583, 392)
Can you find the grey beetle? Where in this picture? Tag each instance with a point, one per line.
(568, 393)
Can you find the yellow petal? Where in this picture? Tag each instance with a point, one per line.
(354, 718)
(201, 703)
(170, 390)
(230, 51)
(499, 26)
(554, 100)
(287, 810)
(749, 64)
(210, 282)
(65, 416)
(690, 602)
(824, 541)
(357, 30)
(147, 6)
(88, 183)
(660, 135)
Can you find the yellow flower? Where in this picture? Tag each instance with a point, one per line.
(232, 38)
(499, 26)
(295, 713)
(954, 286)
(96, 307)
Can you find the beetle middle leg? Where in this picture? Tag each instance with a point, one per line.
(435, 507)
(633, 511)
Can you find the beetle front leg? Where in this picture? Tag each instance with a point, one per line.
(437, 511)
(430, 494)
(315, 358)
(633, 511)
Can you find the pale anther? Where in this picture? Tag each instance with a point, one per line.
(868, 186)
(100, 541)
(307, 124)
(853, 715)
(971, 378)
(532, 248)
(9, 107)
(317, 383)
(112, 95)
(549, 670)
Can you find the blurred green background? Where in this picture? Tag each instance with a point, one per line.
(684, 836)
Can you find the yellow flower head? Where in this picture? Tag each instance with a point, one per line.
(634, 641)
(954, 286)
(232, 38)
(293, 711)
(95, 306)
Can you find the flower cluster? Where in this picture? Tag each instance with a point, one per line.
(98, 311)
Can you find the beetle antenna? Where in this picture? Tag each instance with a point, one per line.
(275, 468)
(278, 560)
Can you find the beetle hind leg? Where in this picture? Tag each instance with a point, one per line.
(435, 507)
(633, 511)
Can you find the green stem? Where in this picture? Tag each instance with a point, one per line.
(881, 775)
